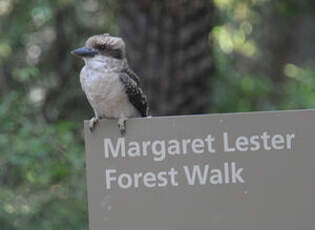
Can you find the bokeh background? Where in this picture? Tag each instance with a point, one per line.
(193, 56)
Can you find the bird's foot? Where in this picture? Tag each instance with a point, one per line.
(122, 125)
(92, 123)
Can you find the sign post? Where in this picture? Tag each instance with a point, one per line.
(244, 171)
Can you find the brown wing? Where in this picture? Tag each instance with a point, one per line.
(132, 75)
(135, 94)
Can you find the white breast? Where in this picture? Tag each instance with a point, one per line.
(106, 93)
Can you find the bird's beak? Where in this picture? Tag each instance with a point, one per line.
(83, 52)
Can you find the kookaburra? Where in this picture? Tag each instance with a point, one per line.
(111, 87)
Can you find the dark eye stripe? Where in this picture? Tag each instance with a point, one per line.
(115, 53)
(101, 47)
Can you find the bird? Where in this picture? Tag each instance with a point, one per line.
(110, 85)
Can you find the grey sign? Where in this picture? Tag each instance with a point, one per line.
(245, 171)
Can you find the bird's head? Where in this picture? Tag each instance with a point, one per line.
(102, 48)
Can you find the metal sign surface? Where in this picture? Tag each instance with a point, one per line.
(245, 171)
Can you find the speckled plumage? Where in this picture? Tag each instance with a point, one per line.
(134, 93)
(112, 89)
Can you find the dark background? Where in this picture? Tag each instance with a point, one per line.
(193, 56)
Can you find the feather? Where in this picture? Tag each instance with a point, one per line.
(134, 93)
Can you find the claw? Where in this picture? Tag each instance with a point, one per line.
(92, 123)
(122, 125)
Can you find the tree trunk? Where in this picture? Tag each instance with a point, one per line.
(168, 47)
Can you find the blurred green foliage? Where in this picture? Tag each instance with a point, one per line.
(42, 160)
(261, 64)
(252, 74)
(41, 170)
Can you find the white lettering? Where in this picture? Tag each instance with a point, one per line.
(109, 148)
(254, 141)
(289, 140)
(226, 143)
(158, 150)
(209, 139)
(197, 146)
(196, 174)
(265, 137)
(185, 142)
(241, 143)
(172, 173)
(109, 178)
(173, 148)
(149, 180)
(236, 177)
(216, 176)
(134, 149)
(277, 142)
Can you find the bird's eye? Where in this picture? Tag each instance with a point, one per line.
(101, 47)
